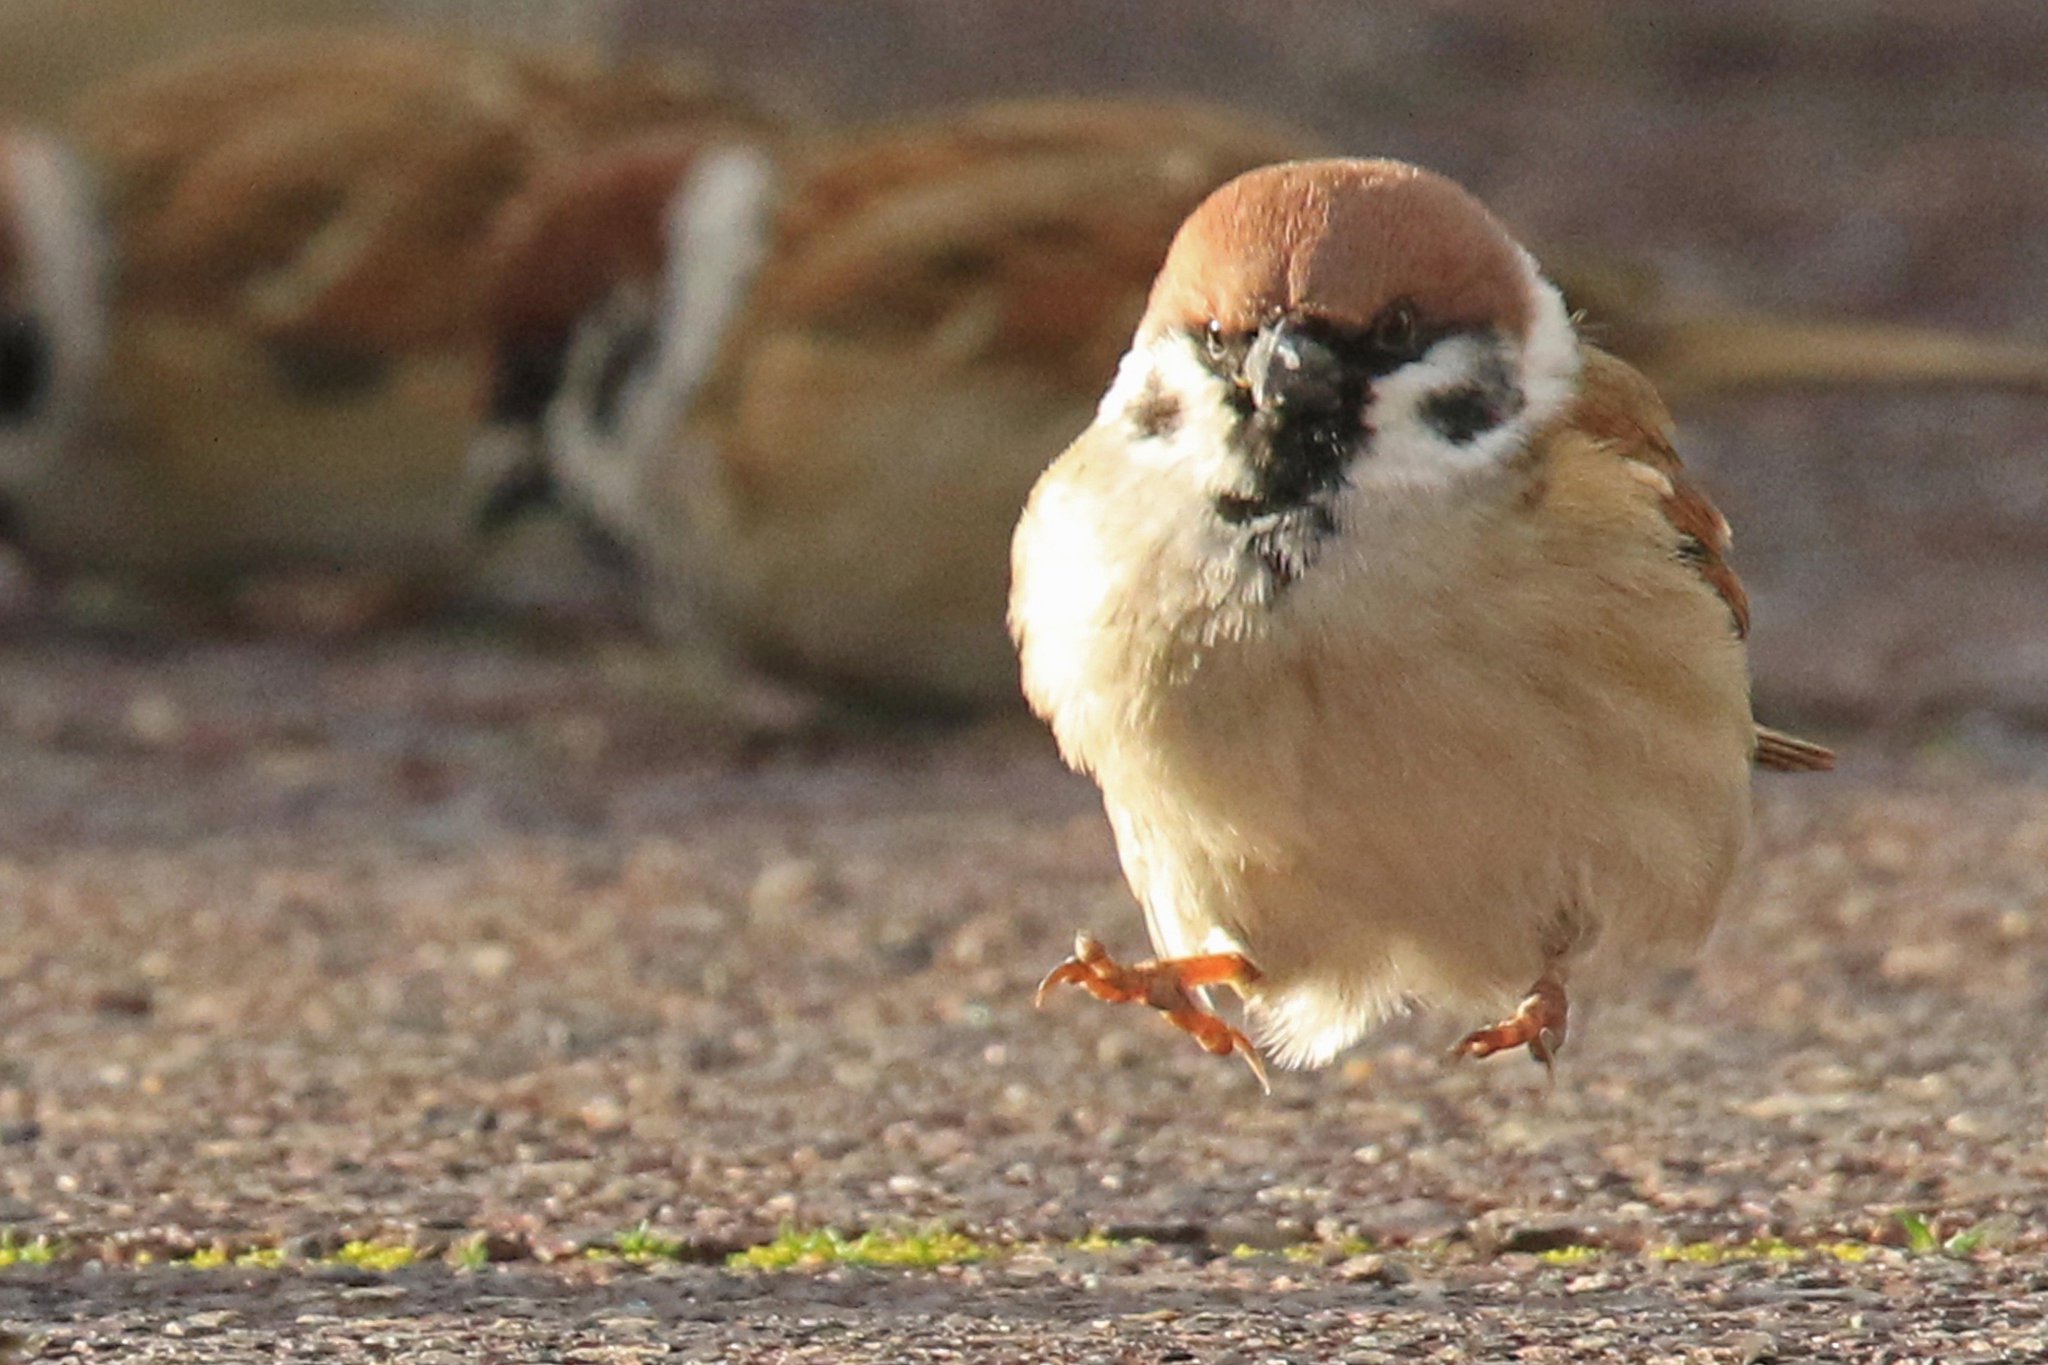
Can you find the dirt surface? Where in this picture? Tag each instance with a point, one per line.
(430, 938)
(1151, 1308)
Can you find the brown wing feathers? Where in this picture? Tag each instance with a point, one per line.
(1619, 406)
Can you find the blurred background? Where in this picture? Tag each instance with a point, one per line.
(1872, 160)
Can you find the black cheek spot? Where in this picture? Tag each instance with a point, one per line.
(629, 354)
(526, 378)
(1156, 413)
(25, 365)
(529, 488)
(1458, 415)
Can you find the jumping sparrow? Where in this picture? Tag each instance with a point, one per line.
(1409, 662)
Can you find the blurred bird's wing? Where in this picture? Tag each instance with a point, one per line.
(1694, 349)
(1027, 231)
(339, 185)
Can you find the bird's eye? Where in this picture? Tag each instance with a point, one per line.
(1212, 340)
(1395, 331)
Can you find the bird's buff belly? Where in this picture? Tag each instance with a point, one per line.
(1411, 860)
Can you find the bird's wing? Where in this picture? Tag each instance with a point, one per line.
(1622, 410)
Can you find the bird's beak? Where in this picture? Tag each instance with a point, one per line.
(605, 549)
(523, 486)
(1289, 371)
(526, 489)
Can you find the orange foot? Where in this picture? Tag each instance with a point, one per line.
(1539, 1025)
(1164, 986)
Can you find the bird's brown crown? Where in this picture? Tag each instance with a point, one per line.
(584, 227)
(1340, 240)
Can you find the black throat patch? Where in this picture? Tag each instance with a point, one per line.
(1282, 543)
(1295, 464)
(1297, 468)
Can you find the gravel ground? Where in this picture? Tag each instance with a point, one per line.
(422, 939)
(1161, 1308)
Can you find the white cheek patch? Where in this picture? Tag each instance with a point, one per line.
(718, 237)
(718, 229)
(1409, 450)
(64, 284)
(1200, 443)
(590, 451)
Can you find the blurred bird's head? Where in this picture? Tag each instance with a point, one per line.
(614, 285)
(52, 320)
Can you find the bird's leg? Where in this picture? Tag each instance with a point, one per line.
(1538, 1024)
(1164, 985)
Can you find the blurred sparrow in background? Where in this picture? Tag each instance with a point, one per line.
(803, 384)
(1408, 661)
(295, 356)
(807, 392)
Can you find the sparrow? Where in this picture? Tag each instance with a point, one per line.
(52, 302)
(1407, 658)
(805, 390)
(295, 233)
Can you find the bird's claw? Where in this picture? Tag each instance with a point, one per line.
(1165, 986)
(1538, 1024)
